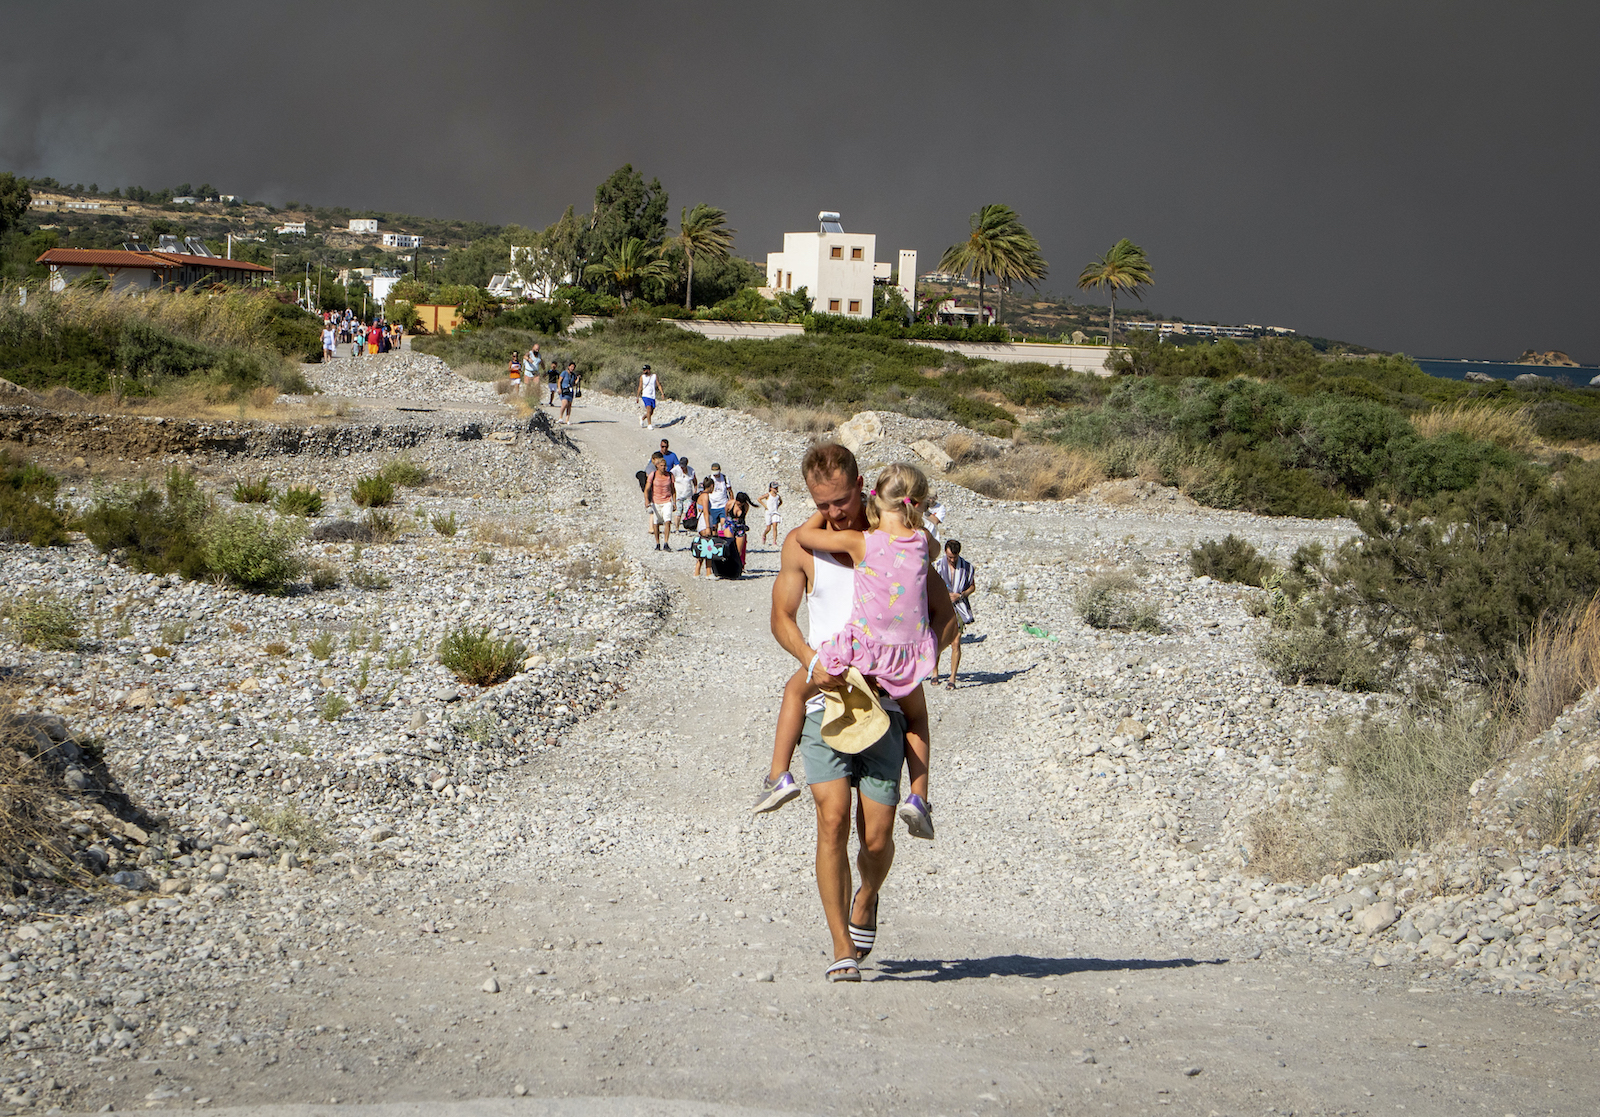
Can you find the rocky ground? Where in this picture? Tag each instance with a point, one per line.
(554, 888)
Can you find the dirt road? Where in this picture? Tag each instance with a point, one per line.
(652, 940)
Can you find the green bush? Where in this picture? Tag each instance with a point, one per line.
(252, 551)
(43, 619)
(405, 472)
(1309, 654)
(707, 391)
(156, 530)
(444, 524)
(379, 527)
(550, 318)
(1465, 576)
(258, 491)
(29, 512)
(477, 657)
(299, 502)
(1229, 560)
(1108, 602)
(372, 492)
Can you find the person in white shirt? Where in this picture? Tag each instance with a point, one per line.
(649, 392)
(772, 502)
(684, 486)
(532, 368)
(328, 342)
(935, 517)
(719, 495)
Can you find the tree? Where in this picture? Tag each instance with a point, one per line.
(998, 244)
(631, 265)
(703, 230)
(1124, 268)
(625, 206)
(14, 199)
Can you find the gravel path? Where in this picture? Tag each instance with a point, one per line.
(555, 889)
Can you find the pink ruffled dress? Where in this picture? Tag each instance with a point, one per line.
(887, 638)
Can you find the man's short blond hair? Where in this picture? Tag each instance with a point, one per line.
(829, 459)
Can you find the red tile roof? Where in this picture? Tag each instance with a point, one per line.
(209, 261)
(105, 258)
(121, 258)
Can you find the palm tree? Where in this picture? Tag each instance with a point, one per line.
(629, 266)
(998, 245)
(1124, 268)
(703, 230)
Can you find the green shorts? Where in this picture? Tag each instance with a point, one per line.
(876, 770)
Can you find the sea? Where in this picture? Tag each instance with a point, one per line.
(1457, 370)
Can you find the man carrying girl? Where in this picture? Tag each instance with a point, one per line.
(823, 565)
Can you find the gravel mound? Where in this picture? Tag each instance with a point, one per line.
(398, 376)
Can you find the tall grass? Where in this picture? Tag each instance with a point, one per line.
(1511, 429)
(96, 341)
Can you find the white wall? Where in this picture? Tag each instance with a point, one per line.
(363, 225)
(806, 261)
(125, 279)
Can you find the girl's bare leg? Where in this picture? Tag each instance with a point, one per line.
(791, 721)
(915, 707)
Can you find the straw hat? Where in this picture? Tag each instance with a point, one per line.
(852, 719)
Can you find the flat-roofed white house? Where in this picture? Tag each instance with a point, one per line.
(401, 240)
(835, 267)
(363, 225)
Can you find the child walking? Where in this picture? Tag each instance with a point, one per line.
(887, 639)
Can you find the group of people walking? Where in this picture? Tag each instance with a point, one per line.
(344, 328)
(711, 515)
(531, 374)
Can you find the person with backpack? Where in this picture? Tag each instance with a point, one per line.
(704, 543)
(719, 494)
(569, 385)
(684, 483)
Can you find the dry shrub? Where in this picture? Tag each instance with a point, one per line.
(502, 533)
(264, 397)
(1556, 665)
(1512, 429)
(1564, 808)
(964, 447)
(1285, 841)
(1030, 473)
(806, 420)
(1110, 600)
(31, 831)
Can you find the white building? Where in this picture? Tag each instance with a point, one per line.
(297, 227)
(835, 267)
(363, 225)
(401, 240)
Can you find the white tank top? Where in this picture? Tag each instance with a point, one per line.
(649, 385)
(833, 592)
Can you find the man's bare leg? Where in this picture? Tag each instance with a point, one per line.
(833, 860)
(875, 829)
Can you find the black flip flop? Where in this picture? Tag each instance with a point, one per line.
(864, 937)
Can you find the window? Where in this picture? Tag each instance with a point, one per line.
(788, 280)
(836, 253)
(855, 306)
(857, 254)
(833, 306)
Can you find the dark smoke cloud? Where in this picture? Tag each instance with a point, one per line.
(1414, 176)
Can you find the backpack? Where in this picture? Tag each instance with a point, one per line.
(691, 517)
(642, 477)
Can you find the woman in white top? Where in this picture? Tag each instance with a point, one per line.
(649, 387)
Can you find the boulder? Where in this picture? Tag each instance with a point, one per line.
(860, 431)
(1379, 917)
(1532, 380)
(933, 454)
(1476, 377)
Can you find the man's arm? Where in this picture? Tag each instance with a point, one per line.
(788, 588)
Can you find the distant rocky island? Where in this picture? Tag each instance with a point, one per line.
(1549, 357)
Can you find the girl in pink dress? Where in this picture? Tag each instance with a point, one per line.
(887, 638)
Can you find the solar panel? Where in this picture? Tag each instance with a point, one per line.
(830, 222)
(168, 243)
(198, 248)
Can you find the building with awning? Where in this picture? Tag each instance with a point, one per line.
(148, 271)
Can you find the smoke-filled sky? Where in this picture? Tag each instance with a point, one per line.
(1412, 176)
